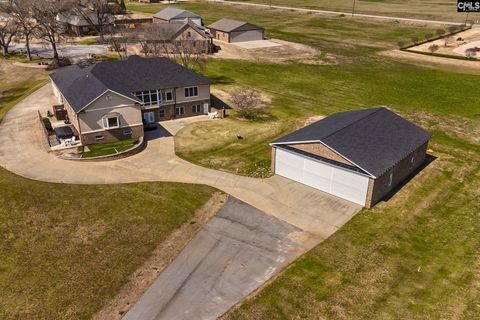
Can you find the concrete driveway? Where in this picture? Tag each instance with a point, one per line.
(313, 215)
(237, 251)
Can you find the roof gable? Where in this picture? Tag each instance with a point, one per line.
(174, 13)
(373, 139)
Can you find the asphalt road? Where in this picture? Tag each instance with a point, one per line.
(235, 253)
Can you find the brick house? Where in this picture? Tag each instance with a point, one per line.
(358, 155)
(113, 100)
(177, 36)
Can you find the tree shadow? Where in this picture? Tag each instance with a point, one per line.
(221, 79)
(428, 160)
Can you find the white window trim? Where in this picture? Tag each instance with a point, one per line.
(169, 91)
(103, 130)
(106, 124)
(181, 108)
(190, 97)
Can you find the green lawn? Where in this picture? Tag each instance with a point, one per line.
(105, 149)
(422, 9)
(66, 250)
(412, 257)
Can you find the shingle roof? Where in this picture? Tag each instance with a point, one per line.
(229, 25)
(82, 85)
(170, 31)
(373, 139)
(174, 13)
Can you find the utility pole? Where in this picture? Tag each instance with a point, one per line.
(353, 8)
(466, 19)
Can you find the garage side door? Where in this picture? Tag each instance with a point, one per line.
(339, 182)
(246, 36)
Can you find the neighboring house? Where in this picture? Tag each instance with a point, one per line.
(112, 100)
(171, 14)
(358, 155)
(228, 30)
(175, 36)
(80, 26)
(132, 20)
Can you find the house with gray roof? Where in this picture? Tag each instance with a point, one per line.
(171, 14)
(228, 30)
(114, 100)
(175, 36)
(87, 23)
(359, 155)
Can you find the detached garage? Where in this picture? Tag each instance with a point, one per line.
(228, 30)
(358, 155)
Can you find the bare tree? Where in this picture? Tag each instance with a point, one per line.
(50, 28)
(23, 15)
(119, 41)
(246, 100)
(8, 30)
(415, 40)
(97, 13)
(400, 44)
(440, 32)
(471, 52)
(433, 48)
(428, 36)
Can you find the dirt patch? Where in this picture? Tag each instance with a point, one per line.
(313, 119)
(433, 61)
(285, 51)
(451, 45)
(161, 257)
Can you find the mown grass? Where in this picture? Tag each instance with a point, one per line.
(105, 149)
(423, 9)
(66, 250)
(413, 257)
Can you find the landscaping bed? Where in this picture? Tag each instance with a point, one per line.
(107, 149)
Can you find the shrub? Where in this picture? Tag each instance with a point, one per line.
(47, 124)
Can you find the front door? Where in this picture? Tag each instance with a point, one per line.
(149, 117)
(205, 108)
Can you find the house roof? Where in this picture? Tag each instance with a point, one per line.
(372, 139)
(82, 85)
(170, 31)
(170, 13)
(229, 25)
(75, 19)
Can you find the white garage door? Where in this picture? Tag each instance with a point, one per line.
(334, 180)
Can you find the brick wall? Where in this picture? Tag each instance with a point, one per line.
(112, 135)
(320, 150)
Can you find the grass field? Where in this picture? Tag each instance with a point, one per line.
(66, 250)
(423, 9)
(105, 149)
(412, 257)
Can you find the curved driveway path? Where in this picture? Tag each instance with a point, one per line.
(299, 217)
(22, 152)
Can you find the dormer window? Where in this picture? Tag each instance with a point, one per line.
(109, 97)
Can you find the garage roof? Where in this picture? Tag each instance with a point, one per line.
(229, 25)
(175, 13)
(372, 139)
(82, 85)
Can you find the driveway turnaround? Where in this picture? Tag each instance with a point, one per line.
(299, 217)
(237, 251)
